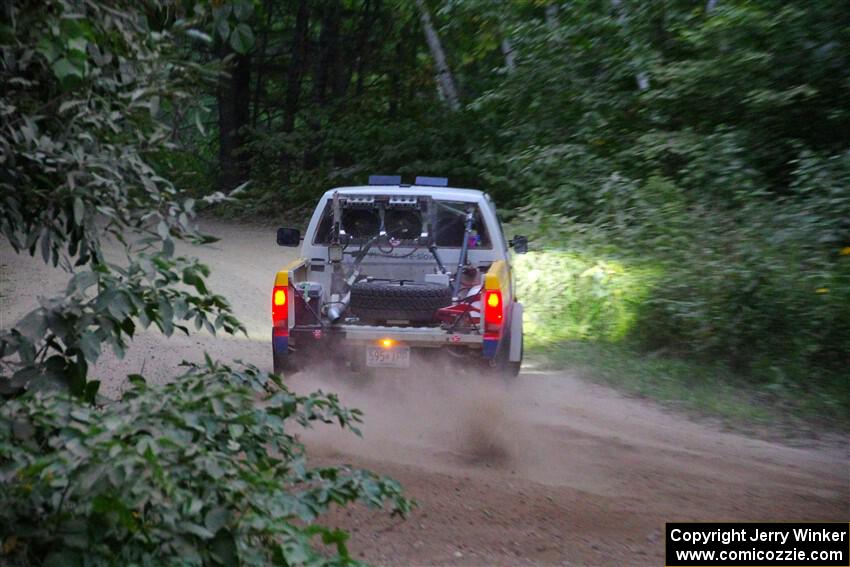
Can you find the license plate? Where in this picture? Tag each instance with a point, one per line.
(395, 357)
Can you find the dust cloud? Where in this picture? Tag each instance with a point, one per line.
(435, 413)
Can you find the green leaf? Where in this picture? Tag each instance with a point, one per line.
(106, 505)
(63, 68)
(216, 519)
(190, 277)
(338, 538)
(77, 44)
(33, 325)
(199, 124)
(23, 430)
(195, 529)
(119, 306)
(223, 548)
(137, 380)
(168, 247)
(79, 211)
(49, 49)
(199, 35)
(242, 39)
(92, 387)
(243, 9)
(90, 346)
(223, 29)
(82, 281)
(180, 308)
(128, 326)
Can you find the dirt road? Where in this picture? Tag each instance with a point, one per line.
(552, 470)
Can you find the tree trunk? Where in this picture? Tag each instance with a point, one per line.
(294, 77)
(234, 96)
(403, 55)
(505, 44)
(641, 77)
(371, 11)
(327, 61)
(327, 68)
(552, 16)
(395, 81)
(297, 64)
(260, 63)
(445, 79)
(510, 55)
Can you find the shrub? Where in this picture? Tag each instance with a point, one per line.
(763, 288)
(579, 295)
(200, 471)
(207, 470)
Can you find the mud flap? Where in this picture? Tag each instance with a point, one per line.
(489, 348)
(280, 343)
(515, 354)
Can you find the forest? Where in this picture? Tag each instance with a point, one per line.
(682, 168)
(694, 154)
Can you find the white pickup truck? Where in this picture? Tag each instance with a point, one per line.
(390, 271)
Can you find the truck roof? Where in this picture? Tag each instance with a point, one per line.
(440, 193)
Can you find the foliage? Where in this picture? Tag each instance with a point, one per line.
(704, 143)
(578, 295)
(755, 288)
(230, 21)
(727, 176)
(768, 296)
(207, 470)
(753, 338)
(84, 85)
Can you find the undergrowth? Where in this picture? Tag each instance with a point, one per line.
(742, 332)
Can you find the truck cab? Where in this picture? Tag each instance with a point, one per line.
(388, 270)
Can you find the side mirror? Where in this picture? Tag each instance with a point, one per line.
(519, 244)
(288, 237)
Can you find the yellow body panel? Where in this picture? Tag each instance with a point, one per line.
(497, 277)
(282, 277)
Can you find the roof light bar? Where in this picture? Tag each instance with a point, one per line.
(385, 180)
(432, 181)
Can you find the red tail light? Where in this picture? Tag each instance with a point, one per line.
(493, 311)
(280, 307)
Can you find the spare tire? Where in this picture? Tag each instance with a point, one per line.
(402, 300)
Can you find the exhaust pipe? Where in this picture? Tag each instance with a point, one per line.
(336, 310)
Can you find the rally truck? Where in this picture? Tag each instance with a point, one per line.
(391, 272)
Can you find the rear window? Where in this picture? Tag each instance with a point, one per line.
(405, 225)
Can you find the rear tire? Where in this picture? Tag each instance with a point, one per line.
(512, 368)
(283, 364)
(501, 365)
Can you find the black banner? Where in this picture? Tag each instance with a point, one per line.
(758, 544)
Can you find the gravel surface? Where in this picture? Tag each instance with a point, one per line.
(549, 470)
